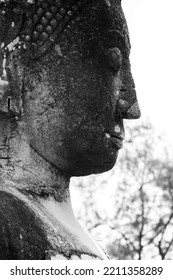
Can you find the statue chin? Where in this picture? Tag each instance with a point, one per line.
(97, 159)
(87, 166)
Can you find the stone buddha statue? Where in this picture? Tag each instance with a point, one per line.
(65, 88)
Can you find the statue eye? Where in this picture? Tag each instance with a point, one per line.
(113, 58)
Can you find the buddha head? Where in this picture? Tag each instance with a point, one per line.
(66, 76)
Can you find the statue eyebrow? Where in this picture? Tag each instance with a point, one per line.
(119, 39)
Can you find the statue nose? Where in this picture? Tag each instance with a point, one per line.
(128, 110)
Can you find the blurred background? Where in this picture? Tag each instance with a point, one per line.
(129, 210)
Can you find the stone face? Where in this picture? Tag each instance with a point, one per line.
(70, 102)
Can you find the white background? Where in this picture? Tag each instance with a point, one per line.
(150, 25)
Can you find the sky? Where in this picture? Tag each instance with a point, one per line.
(150, 25)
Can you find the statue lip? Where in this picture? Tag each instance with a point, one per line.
(117, 142)
(116, 139)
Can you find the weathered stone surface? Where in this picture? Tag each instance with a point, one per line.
(65, 87)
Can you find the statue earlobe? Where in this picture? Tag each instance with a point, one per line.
(11, 88)
(11, 17)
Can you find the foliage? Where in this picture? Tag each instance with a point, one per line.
(131, 207)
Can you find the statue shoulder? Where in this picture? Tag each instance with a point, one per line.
(21, 234)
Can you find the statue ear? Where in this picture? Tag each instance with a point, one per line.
(11, 16)
(11, 88)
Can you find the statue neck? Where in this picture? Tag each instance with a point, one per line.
(23, 168)
(27, 175)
